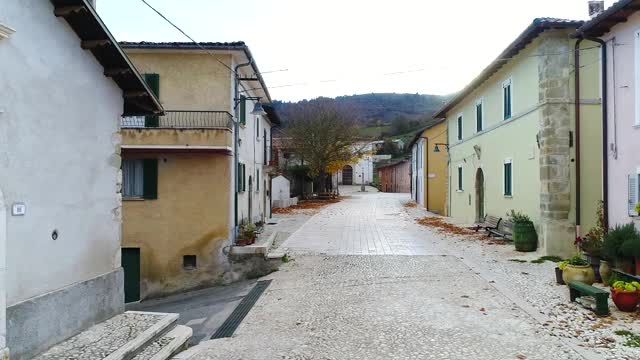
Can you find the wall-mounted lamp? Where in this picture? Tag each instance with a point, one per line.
(257, 108)
(436, 149)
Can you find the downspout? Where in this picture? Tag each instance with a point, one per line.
(605, 135)
(236, 138)
(576, 72)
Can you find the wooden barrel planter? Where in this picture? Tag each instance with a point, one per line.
(524, 236)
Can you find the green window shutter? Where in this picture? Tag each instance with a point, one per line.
(150, 179)
(243, 110)
(239, 179)
(257, 180)
(153, 81)
(460, 178)
(244, 177)
(507, 179)
(479, 117)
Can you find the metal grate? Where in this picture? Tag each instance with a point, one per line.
(233, 321)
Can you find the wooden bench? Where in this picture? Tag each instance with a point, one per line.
(505, 230)
(578, 289)
(489, 223)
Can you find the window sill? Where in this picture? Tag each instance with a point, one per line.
(636, 126)
(459, 191)
(132, 199)
(508, 196)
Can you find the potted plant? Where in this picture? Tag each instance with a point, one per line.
(612, 246)
(591, 243)
(525, 237)
(246, 234)
(638, 208)
(625, 295)
(559, 269)
(630, 248)
(578, 269)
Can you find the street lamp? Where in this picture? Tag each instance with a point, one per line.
(257, 108)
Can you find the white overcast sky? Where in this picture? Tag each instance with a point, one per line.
(345, 47)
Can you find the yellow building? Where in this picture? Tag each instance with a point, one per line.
(513, 139)
(183, 193)
(429, 168)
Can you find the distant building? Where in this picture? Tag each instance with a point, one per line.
(360, 172)
(66, 83)
(395, 177)
(429, 176)
(195, 174)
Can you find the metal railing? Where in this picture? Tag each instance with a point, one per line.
(180, 120)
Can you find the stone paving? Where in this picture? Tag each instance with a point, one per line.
(103, 339)
(336, 301)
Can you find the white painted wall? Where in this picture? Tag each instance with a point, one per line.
(363, 169)
(251, 154)
(59, 147)
(3, 273)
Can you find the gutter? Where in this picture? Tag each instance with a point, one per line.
(605, 158)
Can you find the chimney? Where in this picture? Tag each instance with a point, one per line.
(595, 8)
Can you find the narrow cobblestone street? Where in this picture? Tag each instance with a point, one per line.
(367, 282)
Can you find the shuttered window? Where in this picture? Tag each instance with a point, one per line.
(459, 127)
(140, 179)
(153, 81)
(507, 100)
(479, 116)
(508, 177)
(633, 191)
(459, 177)
(257, 180)
(242, 183)
(243, 110)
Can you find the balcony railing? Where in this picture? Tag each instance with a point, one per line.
(180, 120)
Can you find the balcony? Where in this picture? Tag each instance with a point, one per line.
(178, 131)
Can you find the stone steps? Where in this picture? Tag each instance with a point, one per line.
(133, 335)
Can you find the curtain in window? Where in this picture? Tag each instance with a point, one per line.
(132, 178)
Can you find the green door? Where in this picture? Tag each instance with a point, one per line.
(131, 266)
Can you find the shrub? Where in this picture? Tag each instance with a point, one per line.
(518, 217)
(577, 260)
(615, 238)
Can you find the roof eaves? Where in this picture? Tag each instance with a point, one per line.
(220, 46)
(85, 22)
(603, 22)
(529, 34)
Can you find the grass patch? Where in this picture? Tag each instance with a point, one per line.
(542, 259)
(633, 340)
(518, 260)
(374, 131)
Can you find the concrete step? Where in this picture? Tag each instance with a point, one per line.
(168, 345)
(120, 338)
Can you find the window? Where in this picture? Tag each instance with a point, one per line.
(140, 179)
(507, 174)
(507, 99)
(257, 180)
(243, 110)
(189, 262)
(242, 183)
(479, 115)
(459, 127)
(460, 178)
(634, 192)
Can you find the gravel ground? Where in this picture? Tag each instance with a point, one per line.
(535, 284)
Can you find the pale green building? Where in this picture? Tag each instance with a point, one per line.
(512, 137)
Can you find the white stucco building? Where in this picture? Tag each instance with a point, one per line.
(360, 172)
(66, 83)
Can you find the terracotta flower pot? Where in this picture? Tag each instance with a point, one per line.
(625, 300)
(582, 273)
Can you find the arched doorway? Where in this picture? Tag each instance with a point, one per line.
(479, 195)
(347, 175)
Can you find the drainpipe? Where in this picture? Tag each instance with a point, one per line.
(577, 135)
(605, 136)
(236, 138)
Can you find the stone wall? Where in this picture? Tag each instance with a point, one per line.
(556, 232)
